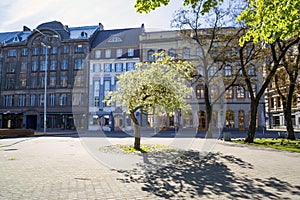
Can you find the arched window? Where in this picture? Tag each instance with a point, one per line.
(172, 53)
(150, 55)
(229, 119)
(241, 118)
(229, 93)
(200, 91)
(161, 51)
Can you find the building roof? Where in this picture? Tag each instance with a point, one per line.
(65, 33)
(117, 38)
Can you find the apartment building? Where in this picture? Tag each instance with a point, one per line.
(51, 54)
(113, 52)
(232, 111)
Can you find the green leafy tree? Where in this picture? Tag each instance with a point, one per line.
(160, 86)
(274, 23)
(286, 85)
(145, 6)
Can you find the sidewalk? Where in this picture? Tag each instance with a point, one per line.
(73, 168)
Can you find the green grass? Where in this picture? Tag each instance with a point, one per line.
(281, 144)
(145, 148)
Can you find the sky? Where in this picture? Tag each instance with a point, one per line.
(113, 14)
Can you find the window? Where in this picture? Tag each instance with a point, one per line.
(35, 51)
(43, 66)
(64, 81)
(23, 67)
(21, 101)
(200, 91)
(65, 49)
(96, 67)
(64, 64)
(11, 67)
(78, 64)
(24, 52)
(42, 81)
(52, 100)
(32, 100)
(78, 81)
(77, 99)
(54, 50)
(98, 54)
(8, 100)
(118, 67)
(52, 81)
(10, 84)
(186, 53)
(150, 55)
(40, 100)
(63, 100)
(229, 93)
(251, 70)
(96, 101)
(107, 86)
(96, 88)
(33, 82)
(79, 48)
(107, 67)
(240, 92)
(130, 52)
(199, 52)
(34, 66)
(119, 53)
(130, 66)
(23, 82)
(172, 53)
(214, 91)
(239, 70)
(115, 39)
(228, 70)
(213, 71)
(200, 71)
(254, 90)
(53, 65)
(44, 50)
(107, 53)
(12, 53)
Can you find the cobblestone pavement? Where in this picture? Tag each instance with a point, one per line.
(74, 168)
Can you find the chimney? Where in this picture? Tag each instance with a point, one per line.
(25, 28)
(101, 27)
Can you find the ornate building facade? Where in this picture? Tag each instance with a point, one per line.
(232, 111)
(54, 54)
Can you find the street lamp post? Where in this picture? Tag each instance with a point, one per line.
(46, 75)
(45, 81)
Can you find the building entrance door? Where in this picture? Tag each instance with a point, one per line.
(202, 120)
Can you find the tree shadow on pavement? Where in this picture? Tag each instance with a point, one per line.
(188, 174)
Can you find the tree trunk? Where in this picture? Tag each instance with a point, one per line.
(288, 114)
(208, 111)
(137, 131)
(252, 125)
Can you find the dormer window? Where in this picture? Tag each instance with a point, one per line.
(16, 39)
(115, 39)
(83, 34)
